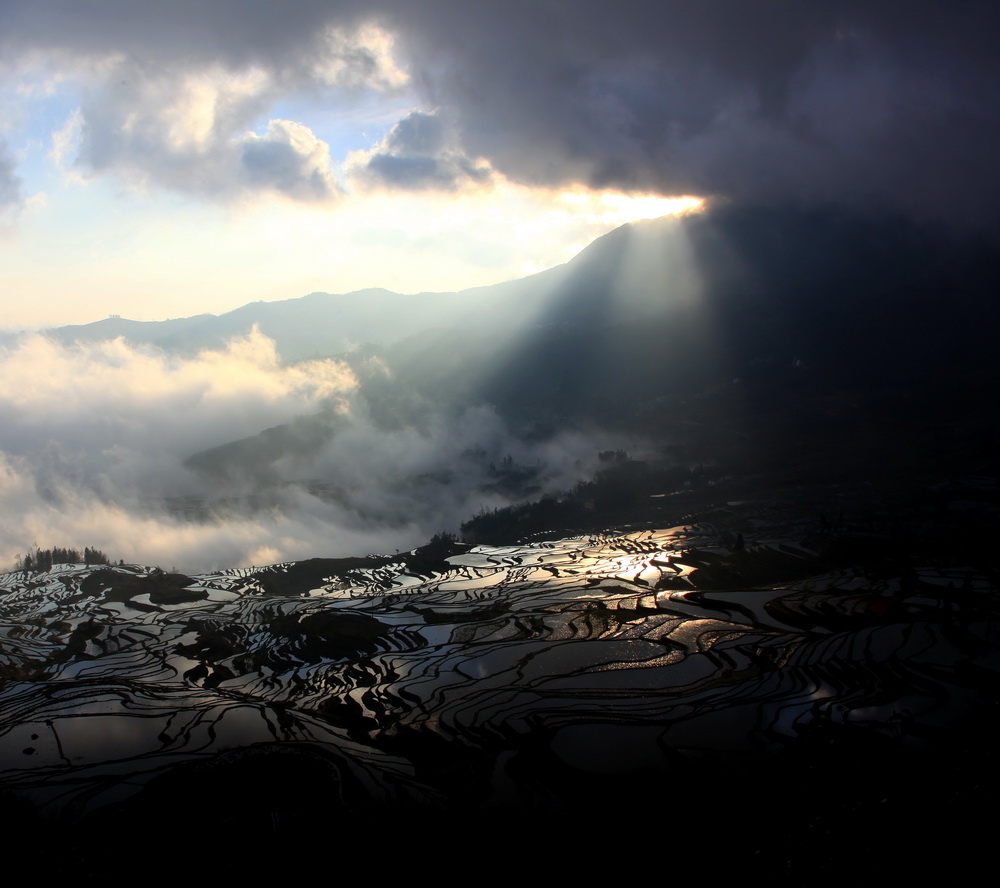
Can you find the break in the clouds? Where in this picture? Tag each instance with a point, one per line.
(205, 129)
(11, 185)
(870, 103)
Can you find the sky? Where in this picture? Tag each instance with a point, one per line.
(162, 159)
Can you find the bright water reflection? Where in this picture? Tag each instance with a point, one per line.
(602, 646)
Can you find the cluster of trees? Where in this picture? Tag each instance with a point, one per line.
(618, 494)
(508, 524)
(613, 456)
(43, 559)
(511, 478)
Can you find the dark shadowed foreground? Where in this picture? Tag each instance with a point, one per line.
(787, 688)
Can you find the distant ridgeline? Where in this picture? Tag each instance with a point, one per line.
(746, 338)
(43, 559)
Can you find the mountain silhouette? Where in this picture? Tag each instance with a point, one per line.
(773, 330)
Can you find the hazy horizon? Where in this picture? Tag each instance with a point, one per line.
(627, 210)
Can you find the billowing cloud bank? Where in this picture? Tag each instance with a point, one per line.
(94, 438)
(867, 103)
(11, 191)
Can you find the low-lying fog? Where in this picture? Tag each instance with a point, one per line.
(94, 438)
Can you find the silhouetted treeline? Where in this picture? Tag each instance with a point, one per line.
(620, 492)
(613, 456)
(43, 559)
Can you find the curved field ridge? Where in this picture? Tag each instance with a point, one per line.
(487, 676)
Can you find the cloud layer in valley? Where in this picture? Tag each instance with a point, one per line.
(95, 437)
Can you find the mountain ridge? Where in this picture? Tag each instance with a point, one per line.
(371, 314)
(747, 337)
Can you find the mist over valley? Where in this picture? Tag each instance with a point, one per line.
(731, 341)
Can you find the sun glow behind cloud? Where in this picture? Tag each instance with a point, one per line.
(617, 208)
(414, 242)
(89, 251)
(163, 186)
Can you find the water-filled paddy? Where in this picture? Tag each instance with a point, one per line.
(506, 678)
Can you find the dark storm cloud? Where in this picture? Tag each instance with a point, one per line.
(875, 104)
(409, 171)
(417, 133)
(11, 190)
(872, 103)
(294, 163)
(418, 153)
(236, 32)
(404, 171)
